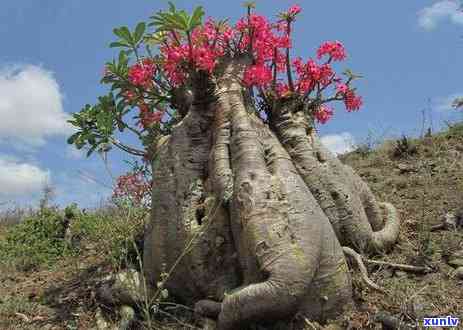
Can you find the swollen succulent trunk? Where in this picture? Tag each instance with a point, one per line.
(357, 218)
(266, 250)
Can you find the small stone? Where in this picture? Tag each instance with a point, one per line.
(127, 316)
(129, 281)
(101, 322)
(400, 273)
(450, 220)
(388, 273)
(332, 327)
(404, 168)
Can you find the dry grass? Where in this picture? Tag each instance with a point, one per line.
(424, 186)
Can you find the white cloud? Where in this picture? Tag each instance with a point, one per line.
(444, 104)
(30, 106)
(429, 17)
(339, 143)
(19, 178)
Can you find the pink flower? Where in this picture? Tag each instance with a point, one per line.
(141, 74)
(259, 75)
(148, 117)
(299, 65)
(312, 70)
(132, 186)
(264, 39)
(323, 114)
(294, 10)
(308, 75)
(204, 58)
(352, 101)
(281, 26)
(283, 42)
(282, 89)
(341, 88)
(326, 74)
(334, 49)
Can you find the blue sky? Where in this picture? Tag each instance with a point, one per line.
(53, 53)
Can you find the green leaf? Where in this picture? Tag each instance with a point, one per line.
(73, 138)
(458, 103)
(196, 18)
(118, 44)
(172, 7)
(139, 31)
(122, 58)
(124, 33)
(176, 22)
(156, 38)
(183, 18)
(249, 4)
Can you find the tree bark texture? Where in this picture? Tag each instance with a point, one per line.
(273, 207)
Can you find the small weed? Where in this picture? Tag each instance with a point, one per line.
(403, 148)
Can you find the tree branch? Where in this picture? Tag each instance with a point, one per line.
(288, 60)
(138, 133)
(123, 147)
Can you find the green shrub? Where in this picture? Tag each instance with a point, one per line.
(37, 240)
(115, 233)
(112, 232)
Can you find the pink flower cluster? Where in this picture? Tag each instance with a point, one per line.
(334, 49)
(268, 41)
(141, 74)
(259, 75)
(310, 74)
(323, 114)
(352, 101)
(132, 186)
(208, 42)
(269, 44)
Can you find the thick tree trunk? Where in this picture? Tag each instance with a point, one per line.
(271, 251)
(354, 213)
(181, 199)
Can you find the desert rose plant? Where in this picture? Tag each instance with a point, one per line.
(226, 117)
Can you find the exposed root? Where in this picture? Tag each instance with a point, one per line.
(363, 270)
(385, 238)
(208, 308)
(403, 267)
